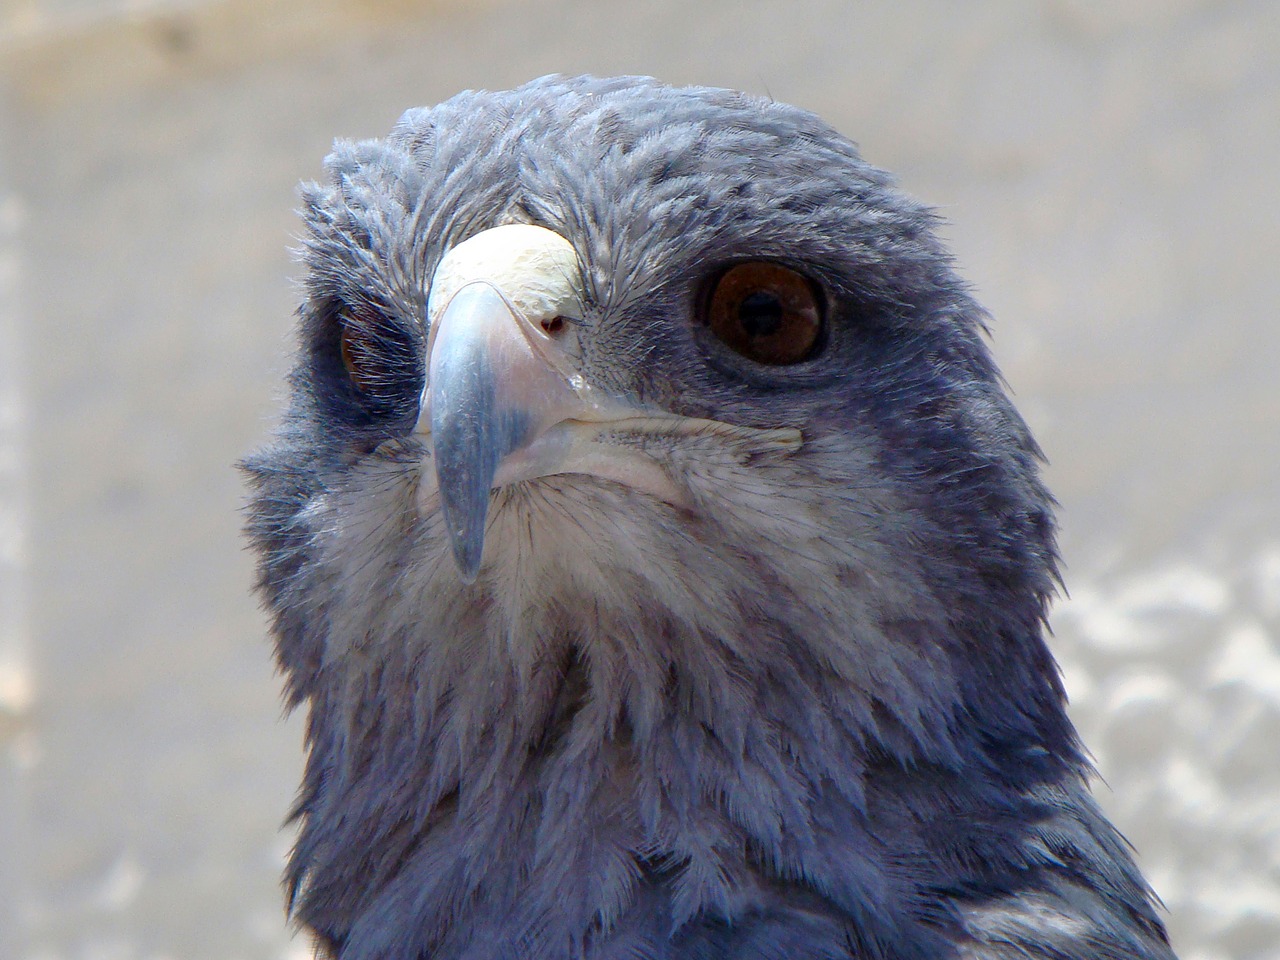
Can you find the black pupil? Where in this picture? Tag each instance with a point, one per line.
(760, 314)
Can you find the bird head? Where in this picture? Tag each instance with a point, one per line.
(670, 353)
(645, 468)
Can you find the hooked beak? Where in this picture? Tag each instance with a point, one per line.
(504, 401)
(493, 398)
(506, 397)
(473, 425)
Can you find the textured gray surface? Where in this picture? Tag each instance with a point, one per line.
(1109, 173)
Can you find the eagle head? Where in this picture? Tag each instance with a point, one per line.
(659, 559)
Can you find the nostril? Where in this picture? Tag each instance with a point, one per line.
(553, 325)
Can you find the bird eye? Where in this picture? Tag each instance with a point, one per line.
(358, 358)
(380, 356)
(766, 312)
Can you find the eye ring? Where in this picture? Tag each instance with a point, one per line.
(766, 312)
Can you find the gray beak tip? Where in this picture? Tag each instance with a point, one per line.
(465, 466)
(466, 557)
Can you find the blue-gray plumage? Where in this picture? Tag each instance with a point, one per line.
(665, 579)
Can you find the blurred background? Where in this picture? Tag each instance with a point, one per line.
(1109, 172)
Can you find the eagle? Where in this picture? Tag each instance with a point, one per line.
(659, 560)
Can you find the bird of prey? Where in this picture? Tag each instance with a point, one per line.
(659, 560)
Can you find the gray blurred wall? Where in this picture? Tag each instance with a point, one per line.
(1109, 170)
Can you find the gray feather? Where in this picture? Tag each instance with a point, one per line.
(810, 715)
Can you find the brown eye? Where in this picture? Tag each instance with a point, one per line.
(359, 355)
(355, 360)
(766, 312)
(381, 359)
